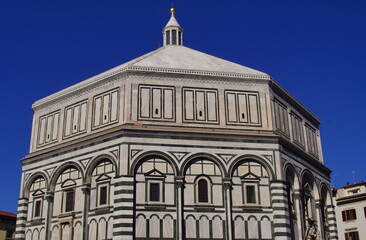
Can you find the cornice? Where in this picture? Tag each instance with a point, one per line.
(98, 79)
(282, 92)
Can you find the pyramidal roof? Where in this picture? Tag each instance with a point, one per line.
(172, 58)
(183, 58)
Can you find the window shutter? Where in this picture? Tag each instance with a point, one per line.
(346, 236)
(344, 216)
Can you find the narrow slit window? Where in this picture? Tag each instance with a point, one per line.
(250, 194)
(154, 192)
(167, 34)
(69, 201)
(37, 208)
(180, 38)
(174, 37)
(103, 195)
(202, 191)
(156, 111)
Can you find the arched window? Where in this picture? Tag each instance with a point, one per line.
(202, 191)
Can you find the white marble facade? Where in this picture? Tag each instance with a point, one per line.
(176, 144)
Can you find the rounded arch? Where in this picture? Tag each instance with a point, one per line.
(290, 170)
(308, 177)
(325, 193)
(60, 169)
(217, 216)
(191, 215)
(167, 215)
(239, 216)
(252, 216)
(30, 181)
(154, 215)
(95, 161)
(265, 217)
(204, 216)
(202, 156)
(141, 215)
(102, 218)
(149, 155)
(251, 157)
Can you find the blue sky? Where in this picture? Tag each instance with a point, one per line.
(315, 49)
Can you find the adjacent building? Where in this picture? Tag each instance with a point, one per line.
(7, 225)
(175, 144)
(351, 211)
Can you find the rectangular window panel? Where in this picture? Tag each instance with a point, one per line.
(49, 128)
(200, 105)
(114, 106)
(42, 129)
(250, 194)
(55, 126)
(189, 105)
(253, 108)
(211, 106)
(168, 103)
(167, 35)
(103, 195)
(231, 107)
(97, 111)
(105, 117)
(75, 119)
(243, 108)
(37, 208)
(154, 192)
(174, 37)
(105, 108)
(156, 100)
(145, 102)
(281, 118)
(83, 116)
(69, 205)
(68, 122)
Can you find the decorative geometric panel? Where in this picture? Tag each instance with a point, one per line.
(269, 157)
(84, 162)
(179, 155)
(134, 152)
(115, 153)
(49, 171)
(226, 157)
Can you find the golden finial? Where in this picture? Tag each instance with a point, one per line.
(172, 10)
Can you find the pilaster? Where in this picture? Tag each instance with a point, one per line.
(281, 216)
(179, 183)
(123, 227)
(86, 192)
(21, 218)
(228, 187)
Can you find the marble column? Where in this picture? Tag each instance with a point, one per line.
(228, 209)
(299, 214)
(49, 207)
(86, 191)
(179, 183)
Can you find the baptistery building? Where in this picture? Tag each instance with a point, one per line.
(175, 144)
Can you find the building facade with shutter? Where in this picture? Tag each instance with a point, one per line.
(175, 144)
(350, 208)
